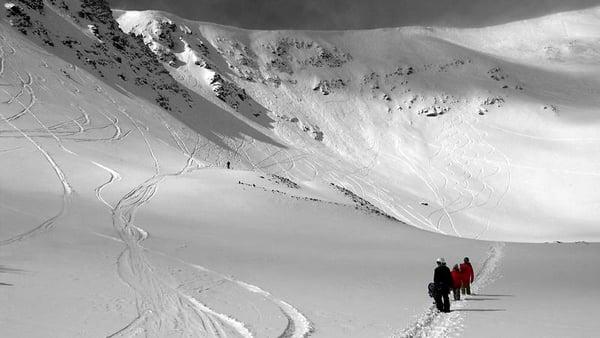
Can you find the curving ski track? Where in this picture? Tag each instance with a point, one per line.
(162, 308)
(67, 190)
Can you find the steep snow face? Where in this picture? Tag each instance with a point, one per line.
(85, 34)
(486, 133)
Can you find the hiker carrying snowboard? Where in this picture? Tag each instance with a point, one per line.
(443, 282)
(468, 276)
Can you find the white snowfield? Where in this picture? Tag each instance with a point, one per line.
(119, 219)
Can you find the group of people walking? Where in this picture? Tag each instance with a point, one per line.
(458, 280)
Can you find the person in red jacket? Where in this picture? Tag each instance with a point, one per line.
(468, 276)
(456, 282)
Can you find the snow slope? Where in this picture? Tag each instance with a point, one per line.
(117, 218)
(494, 129)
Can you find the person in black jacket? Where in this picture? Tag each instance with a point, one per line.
(442, 278)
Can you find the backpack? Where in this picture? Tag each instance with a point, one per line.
(431, 289)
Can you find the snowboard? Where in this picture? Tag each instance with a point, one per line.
(431, 289)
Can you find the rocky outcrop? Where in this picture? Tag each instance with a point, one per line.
(18, 18)
(287, 52)
(106, 51)
(361, 203)
(326, 87)
(328, 58)
(497, 74)
(239, 58)
(227, 91)
(490, 101)
(434, 111)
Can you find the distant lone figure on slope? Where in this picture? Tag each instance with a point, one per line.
(442, 278)
(468, 276)
(228, 165)
(456, 282)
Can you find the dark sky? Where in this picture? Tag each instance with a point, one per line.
(355, 14)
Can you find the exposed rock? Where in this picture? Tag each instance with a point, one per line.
(327, 86)
(371, 80)
(285, 181)
(113, 52)
(240, 59)
(497, 74)
(457, 63)
(328, 58)
(227, 91)
(362, 204)
(434, 111)
(497, 100)
(17, 17)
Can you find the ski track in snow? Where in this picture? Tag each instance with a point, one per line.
(67, 190)
(162, 308)
(66, 196)
(433, 323)
(159, 304)
(298, 325)
(114, 177)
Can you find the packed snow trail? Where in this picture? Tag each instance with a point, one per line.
(433, 323)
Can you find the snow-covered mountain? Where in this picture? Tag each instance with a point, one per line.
(118, 218)
(486, 133)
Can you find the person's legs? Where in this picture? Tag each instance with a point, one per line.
(468, 288)
(446, 302)
(463, 289)
(456, 293)
(438, 302)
